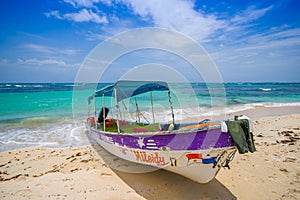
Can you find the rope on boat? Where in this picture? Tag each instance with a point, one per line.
(171, 105)
(124, 106)
(229, 159)
(219, 158)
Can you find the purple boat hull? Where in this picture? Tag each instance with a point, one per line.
(197, 140)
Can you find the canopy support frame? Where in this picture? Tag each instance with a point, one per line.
(137, 111)
(151, 99)
(117, 110)
(104, 114)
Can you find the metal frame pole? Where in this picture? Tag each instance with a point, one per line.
(152, 106)
(89, 102)
(117, 109)
(137, 110)
(95, 112)
(103, 111)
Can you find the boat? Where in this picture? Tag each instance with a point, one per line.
(196, 150)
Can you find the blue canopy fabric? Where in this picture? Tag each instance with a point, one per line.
(127, 89)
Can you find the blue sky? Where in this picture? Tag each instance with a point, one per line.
(46, 41)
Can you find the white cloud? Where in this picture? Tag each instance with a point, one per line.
(241, 26)
(85, 15)
(83, 3)
(38, 48)
(182, 16)
(278, 39)
(250, 14)
(282, 34)
(116, 26)
(275, 50)
(177, 15)
(54, 13)
(39, 62)
(34, 61)
(95, 36)
(106, 2)
(87, 3)
(50, 50)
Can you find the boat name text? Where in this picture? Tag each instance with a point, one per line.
(145, 157)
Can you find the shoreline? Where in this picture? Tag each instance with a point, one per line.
(262, 112)
(272, 172)
(66, 132)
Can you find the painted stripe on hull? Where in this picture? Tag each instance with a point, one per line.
(200, 140)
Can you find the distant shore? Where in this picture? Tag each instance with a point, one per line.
(272, 172)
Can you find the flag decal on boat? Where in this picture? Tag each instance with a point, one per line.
(194, 158)
(209, 160)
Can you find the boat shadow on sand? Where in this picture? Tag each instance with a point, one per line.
(153, 183)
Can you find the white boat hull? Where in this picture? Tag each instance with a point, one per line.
(198, 165)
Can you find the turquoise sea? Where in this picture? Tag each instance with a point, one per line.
(53, 114)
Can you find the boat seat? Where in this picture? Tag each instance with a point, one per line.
(136, 127)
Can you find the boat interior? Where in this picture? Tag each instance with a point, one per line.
(111, 125)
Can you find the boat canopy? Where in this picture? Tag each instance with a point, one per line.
(126, 89)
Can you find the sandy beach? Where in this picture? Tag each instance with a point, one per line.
(158, 83)
(272, 172)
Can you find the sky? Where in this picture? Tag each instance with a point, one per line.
(249, 41)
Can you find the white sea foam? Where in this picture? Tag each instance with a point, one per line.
(26, 143)
(282, 104)
(37, 86)
(75, 133)
(25, 86)
(74, 85)
(265, 89)
(66, 133)
(219, 111)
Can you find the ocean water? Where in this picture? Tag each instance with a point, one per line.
(53, 114)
